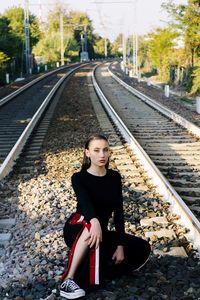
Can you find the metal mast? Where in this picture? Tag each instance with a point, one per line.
(61, 40)
(124, 50)
(124, 39)
(105, 48)
(135, 42)
(27, 37)
(85, 38)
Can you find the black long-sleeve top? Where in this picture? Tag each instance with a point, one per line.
(99, 197)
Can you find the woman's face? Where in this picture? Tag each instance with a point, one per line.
(98, 152)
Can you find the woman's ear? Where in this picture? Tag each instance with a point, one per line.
(87, 153)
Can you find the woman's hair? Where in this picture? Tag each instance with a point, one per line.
(86, 160)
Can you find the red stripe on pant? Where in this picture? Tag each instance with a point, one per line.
(94, 273)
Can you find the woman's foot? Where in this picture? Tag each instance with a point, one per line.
(70, 290)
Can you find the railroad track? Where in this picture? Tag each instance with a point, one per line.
(24, 117)
(146, 214)
(21, 111)
(174, 150)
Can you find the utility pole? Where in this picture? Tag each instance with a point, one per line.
(128, 51)
(85, 38)
(27, 37)
(104, 27)
(40, 12)
(84, 53)
(61, 40)
(135, 42)
(135, 54)
(106, 51)
(124, 51)
(82, 43)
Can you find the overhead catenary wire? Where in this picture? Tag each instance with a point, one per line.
(134, 39)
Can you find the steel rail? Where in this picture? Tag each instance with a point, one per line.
(14, 153)
(164, 110)
(30, 84)
(168, 193)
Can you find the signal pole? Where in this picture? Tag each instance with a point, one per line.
(61, 40)
(85, 38)
(84, 47)
(105, 50)
(124, 51)
(135, 42)
(27, 38)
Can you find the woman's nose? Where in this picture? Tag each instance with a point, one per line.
(102, 154)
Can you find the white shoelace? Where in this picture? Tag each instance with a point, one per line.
(70, 283)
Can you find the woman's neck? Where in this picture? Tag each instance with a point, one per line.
(97, 171)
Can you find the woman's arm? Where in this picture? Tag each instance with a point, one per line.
(84, 201)
(95, 234)
(83, 198)
(118, 255)
(119, 212)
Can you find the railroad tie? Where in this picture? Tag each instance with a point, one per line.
(173, 251)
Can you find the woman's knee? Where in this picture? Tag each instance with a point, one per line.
(84, 235)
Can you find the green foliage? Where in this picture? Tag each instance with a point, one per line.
(75, 26)
(3, 64)
(143, 55)
(8, 40)
(12, 37)
(196, 81)
(186, 20)
(3, 59)
(9, 49)
(48, 48)
(192, 23)
(160, 48)
(116, 46)
(99, 47)
(15, 15)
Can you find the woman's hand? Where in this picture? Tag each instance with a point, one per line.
(95, 234)
(118, 255)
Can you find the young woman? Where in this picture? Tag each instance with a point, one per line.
(96, 252)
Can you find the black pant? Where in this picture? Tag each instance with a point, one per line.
(136, 252)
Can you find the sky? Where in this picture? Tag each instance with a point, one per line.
(109, 17)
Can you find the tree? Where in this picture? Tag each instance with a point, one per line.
(191, 21)
(8, 49)
(48, 49)
(75, 25)
(196, 80)
(3, 64)
(99, 47)
(143, 55)
(16, 17)
(186, 20)
(8, 40)
(161, 47)
(116, 47)
(83, 28)
(13, 44)
(3, 59)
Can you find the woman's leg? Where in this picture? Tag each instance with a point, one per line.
(79, 252)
